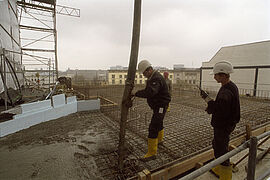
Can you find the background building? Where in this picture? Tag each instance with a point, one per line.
(118, 77)
(186, 75)
(178, 66)
(86, 76)
(251, 68)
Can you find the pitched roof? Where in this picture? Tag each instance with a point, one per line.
(251, 54)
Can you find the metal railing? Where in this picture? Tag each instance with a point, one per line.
(252, 144)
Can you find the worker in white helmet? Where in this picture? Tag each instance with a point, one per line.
(169, 84)
(225, 110)
(158, 97)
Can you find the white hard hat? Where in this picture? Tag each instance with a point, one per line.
(222, 67)
(143, 65)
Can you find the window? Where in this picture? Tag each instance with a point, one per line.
(120, 76)
(136, 76)
(140, 81)
(113, 76)
(120, 81)
(125, 76)
(113, 81)
(140, 76)
(171, 76)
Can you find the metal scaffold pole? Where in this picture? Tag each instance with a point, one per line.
(55, 41)
(126, 99)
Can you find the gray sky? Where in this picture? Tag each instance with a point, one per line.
(172, 31)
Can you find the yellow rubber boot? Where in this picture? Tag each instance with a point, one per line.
(225, 172)
(168, 109)
(216, 170)
(152, 147)
(160, 136)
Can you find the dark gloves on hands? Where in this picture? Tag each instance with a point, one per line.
(203, 94)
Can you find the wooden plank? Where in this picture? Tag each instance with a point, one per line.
(141, 176)
(147, 174)
(232, 147)
(163, 175)
(198, 165)
(248, 131)
(181, 167)
(190, 163)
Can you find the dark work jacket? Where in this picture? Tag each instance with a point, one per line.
(156, 91)
(225, 109)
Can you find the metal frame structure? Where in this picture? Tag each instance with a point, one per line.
(38, 36)
(8, 67)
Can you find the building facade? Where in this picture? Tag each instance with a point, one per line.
(118, 77)
(187, 75)
(251, 68)
(97, 77)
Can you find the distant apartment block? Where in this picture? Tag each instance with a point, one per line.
(118, 77)
(187, 75)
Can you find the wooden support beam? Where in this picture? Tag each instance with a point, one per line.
(198, 165)
(232, 147)
(248, 131)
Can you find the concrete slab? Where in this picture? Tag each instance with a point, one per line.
(11, 126)
(54, 113)
(72, 99)
(58, 100)
(35, 106)
(71, 108)
(87, 105)
(42, 111)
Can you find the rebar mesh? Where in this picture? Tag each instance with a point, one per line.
(187, 129)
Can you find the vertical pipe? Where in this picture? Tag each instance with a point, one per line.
(49, 73)
(5, 77)
(201, 77)
(53, 73)
(130, 80)
(255, 81)
(55, 39)
(252, 158)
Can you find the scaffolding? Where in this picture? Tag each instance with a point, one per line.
(38, 38)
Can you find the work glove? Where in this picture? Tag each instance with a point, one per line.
(129, 101)
(205, 96)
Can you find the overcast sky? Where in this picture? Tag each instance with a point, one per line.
(185, 32)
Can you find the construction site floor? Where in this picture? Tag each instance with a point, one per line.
(85, 145)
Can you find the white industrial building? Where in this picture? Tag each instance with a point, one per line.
(251, 68)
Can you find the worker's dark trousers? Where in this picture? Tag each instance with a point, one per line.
(221, 142)
(156, 124)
